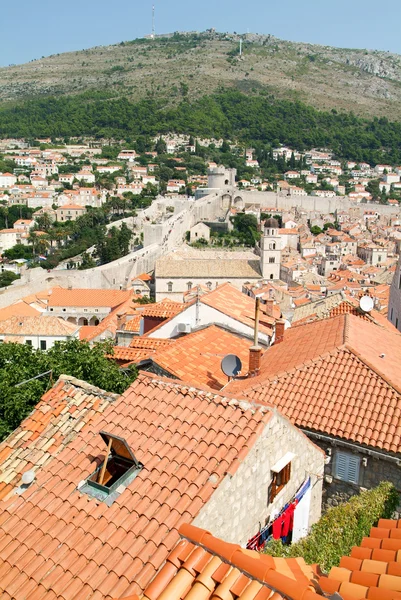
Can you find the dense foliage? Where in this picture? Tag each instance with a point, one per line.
(227, 114)
(341, 528)
(19, 362)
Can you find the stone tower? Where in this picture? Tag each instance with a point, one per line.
(270, 251)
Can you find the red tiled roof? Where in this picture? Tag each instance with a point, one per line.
(230, 301)
(57, 542)
(196, 357)
(339, 376)
(373, 570)
(88, 297)
(56, 420)
(165, 309)
(140, 349)
(203, 566)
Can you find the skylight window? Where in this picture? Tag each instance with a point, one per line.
(117, 470)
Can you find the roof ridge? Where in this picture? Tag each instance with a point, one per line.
(243, 404)
(85, 386)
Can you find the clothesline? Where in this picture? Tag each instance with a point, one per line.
(281, 525)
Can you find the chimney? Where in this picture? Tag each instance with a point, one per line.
(269, 307)
(255, 352)
(280, 327)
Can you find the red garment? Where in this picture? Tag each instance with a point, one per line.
(277, 527)
(288, 519)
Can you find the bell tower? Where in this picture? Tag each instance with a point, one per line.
(270, 258)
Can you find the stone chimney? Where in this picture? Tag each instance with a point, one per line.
(269, 307)
(279, 331)
(255, 355)
(255, 351)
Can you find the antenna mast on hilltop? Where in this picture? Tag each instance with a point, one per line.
(153, 22)
(240, 47)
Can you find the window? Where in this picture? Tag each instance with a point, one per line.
(189, 285)
(209, 285)
(169, 287)
(28, 342)
(271, 259)
(391, 316)
(347, 467)
(379, 258)
(271, 276)
(279, 481)
(43, 344)
(118, 468)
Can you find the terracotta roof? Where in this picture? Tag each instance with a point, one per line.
(165, 309)
(140, 349)
(19, 309)
(196, 357)
(58, 542)
(202, 566)
(339, 376)
(134, 324)
(230, 301)
(88, 297)
(373, 570)
(42, 325)
(144, 277)
(58, 418)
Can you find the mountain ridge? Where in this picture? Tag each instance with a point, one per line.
(173, 66)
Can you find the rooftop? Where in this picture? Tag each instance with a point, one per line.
(338, 376)
(58, 542)
(37, 325)
(87, 297)
(207, 268)
(196, 357)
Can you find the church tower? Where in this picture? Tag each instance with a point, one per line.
(270, 258)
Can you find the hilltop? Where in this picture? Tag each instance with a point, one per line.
(192, 65)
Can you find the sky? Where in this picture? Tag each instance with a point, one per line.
(30, 30)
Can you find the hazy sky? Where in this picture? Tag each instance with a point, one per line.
(34, 29)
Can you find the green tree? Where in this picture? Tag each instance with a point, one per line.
(20, 362)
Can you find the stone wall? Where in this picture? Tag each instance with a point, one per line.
(376, 470)
(240, 505)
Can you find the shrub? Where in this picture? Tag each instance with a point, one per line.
(341, 528)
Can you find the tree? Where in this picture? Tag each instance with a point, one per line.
(20, 362)
(7, 277)
(315, 230)
(161, 146)
(87, 262)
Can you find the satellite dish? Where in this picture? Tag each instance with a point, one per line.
(366, 304)
(28, 477)
(231, 365)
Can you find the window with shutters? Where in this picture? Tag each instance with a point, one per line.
(279, 481)
(347, 467)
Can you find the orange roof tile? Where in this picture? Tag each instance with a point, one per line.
(230, 301)
(19, 309)
(37, 325)
(139, 350)
(339, 376)
(203, 566)
(165, 309)
(56, 420)
(88, 297)
(196, 357)
(76, 546)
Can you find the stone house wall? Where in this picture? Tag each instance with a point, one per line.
(376, 470)
(240, 505)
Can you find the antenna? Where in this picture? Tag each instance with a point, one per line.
(366, 304)
(231, 365)
(153, 22)
(240, 47)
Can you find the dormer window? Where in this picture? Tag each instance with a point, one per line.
(117, 470)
